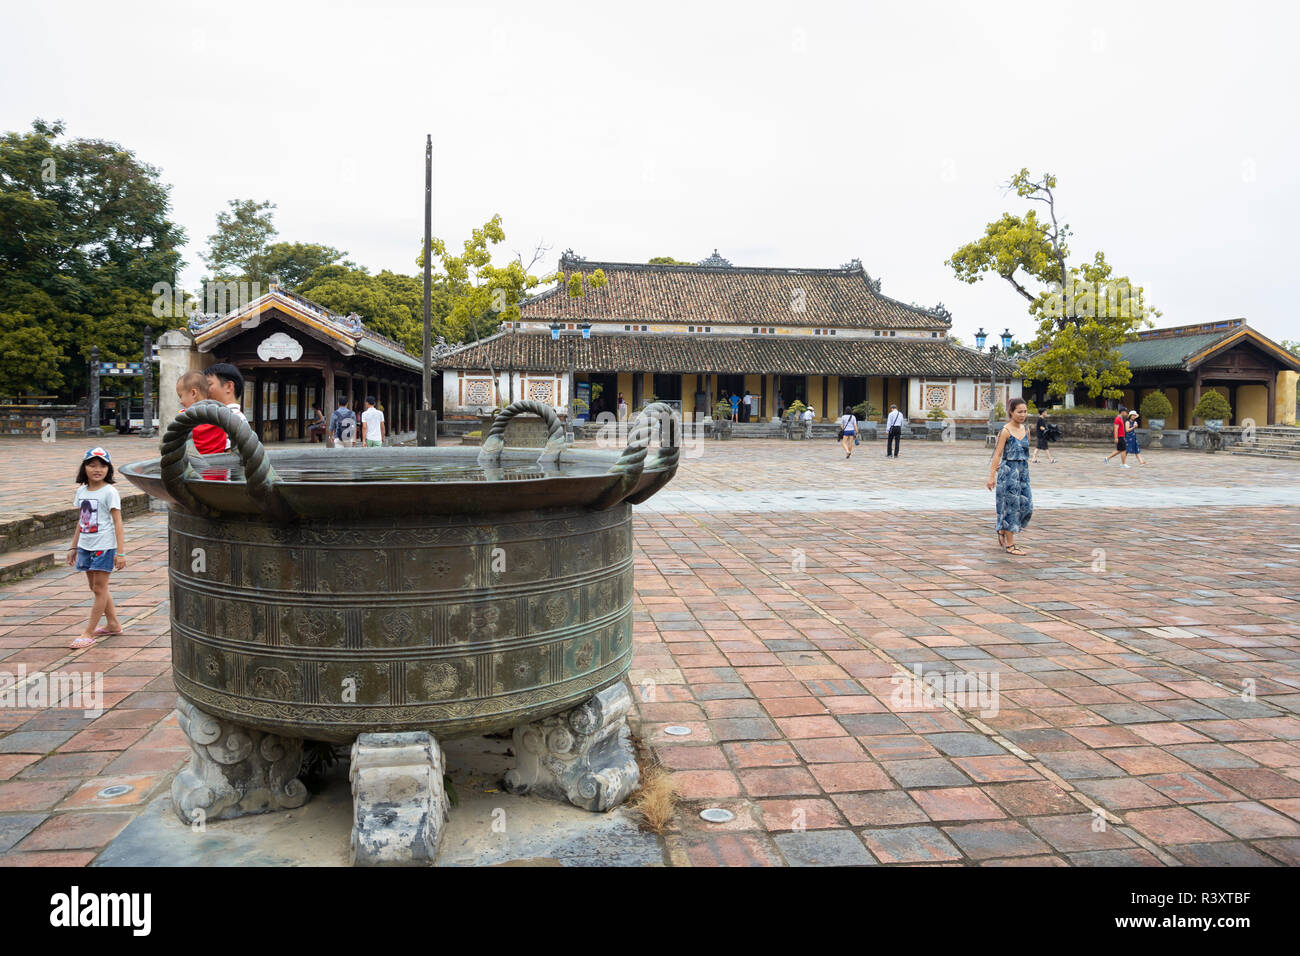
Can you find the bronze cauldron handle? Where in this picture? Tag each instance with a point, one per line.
(495, 439)
(259, 476)
(632, 462)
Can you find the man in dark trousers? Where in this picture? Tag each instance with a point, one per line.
(894, 436)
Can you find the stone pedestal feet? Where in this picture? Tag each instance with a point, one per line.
(398, 800)
(583, 755)
(234, 770)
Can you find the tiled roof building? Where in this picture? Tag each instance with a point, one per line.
(691, 334)
(1253, 372)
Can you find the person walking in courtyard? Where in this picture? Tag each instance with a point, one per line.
(1041, 443)
(893, 431)
(98, 544)
(1131, 437)
(343, 425)
(808, 415)
(1121, 442)
(848, 426)
(1009, 471)
(372, 424)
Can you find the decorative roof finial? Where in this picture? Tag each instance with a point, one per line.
(716, 261)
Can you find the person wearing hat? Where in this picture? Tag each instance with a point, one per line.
(1131, 437)
(98, 546)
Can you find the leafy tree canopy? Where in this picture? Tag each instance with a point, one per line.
(84, 226)
(1083, 312)
(239, 246)
(294, 262)
(669, 261)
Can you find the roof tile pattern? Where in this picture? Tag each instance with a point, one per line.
(785, 355)
(804, 298)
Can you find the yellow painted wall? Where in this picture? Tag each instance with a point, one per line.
(814, 394)
(624, 389)
(876, 392)
(769, 406)
(1185, 420)
(1285, 393)
(1252, 402)
(647, 385)
(833, 409)
(688, 397)
(754, 385)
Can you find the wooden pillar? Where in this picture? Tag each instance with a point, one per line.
(826, 384)
(763, 412)
(1272, 399)
(1196, 398)
(1235, 419)
(327, 400)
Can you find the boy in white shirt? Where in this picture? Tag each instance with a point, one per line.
(372, 423)
(226, 385)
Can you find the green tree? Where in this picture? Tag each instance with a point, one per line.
(669, 261)
(238, 248)
(483, 295)
(294, 262)
(29, 358)
(1083, 313)
(389, 303)
(82, 221)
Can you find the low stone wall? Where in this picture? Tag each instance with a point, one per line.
(31, 530)
(30, 419)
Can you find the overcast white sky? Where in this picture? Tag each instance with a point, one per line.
(783, 134)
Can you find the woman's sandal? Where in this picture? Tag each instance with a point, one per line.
(81, 643)
(1014, 549)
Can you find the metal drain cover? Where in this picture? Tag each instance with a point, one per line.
(677, 730)
(108, 793)
(717, 815)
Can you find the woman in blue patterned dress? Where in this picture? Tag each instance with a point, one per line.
(1009, 470)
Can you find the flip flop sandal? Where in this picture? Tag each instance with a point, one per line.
(81, 643)
(105, 632)
(1014, 549)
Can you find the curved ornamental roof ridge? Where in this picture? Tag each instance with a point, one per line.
(639, 292)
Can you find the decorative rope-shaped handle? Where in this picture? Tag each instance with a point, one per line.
(632, 462)
(494, 441)
(259, 476)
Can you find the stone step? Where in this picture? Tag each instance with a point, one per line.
(20, 564)
(1256, 452)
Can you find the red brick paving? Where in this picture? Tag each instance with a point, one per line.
(1120, 689)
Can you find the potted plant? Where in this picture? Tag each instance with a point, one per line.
(721, 426)
(793, 416)
(1155, 408)
(934, 420)
(1212, 409)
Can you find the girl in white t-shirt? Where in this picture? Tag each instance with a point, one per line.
(98, 545)
(848, 430)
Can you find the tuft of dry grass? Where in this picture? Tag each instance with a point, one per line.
(656, 798)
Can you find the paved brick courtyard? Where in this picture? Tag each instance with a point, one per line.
(1146, 657)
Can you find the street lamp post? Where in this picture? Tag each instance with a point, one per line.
(585, 331)
(980, 338)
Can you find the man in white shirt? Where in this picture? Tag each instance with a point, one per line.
(894, 426)
(372, 423)
(809, 414)
(226, 385)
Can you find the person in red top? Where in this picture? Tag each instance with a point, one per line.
(190, 388)
(1121, 445)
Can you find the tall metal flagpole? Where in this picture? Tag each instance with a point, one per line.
(427, 429)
